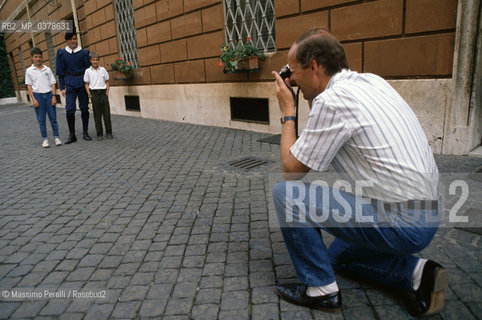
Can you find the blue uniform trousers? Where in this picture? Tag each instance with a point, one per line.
(71, 96)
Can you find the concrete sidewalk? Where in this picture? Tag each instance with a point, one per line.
(156, 224)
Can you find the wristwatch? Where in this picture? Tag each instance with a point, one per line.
(287, 118)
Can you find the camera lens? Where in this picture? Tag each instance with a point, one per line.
(285, 72)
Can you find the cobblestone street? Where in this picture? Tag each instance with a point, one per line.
(155, 224)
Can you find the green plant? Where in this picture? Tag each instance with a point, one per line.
(6, 84)
(231, 55)
(122, 66)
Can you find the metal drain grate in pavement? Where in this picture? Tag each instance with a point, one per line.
(477, 175)
(248, 163)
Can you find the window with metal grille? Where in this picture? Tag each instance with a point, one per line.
(126, 31)
(250, 18)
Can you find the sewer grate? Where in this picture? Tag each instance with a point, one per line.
(477, 175)
(248, 163)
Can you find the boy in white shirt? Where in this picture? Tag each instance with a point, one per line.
(96, 81)
(40, 83)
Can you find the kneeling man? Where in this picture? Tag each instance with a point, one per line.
(359, 124)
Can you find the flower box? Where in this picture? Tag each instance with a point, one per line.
(249, 63)
(240, 57)
(121, 76)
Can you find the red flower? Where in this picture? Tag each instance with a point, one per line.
(121, 59)
(220, 64)
(129, 63)
(248, 39)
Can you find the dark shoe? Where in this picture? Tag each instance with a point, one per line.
(87, 137)
(429, 298)
(71, 139)
(296, 294)
(109, 136)
(100, 138)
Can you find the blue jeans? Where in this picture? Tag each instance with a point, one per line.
(45, 107)
(370, 242)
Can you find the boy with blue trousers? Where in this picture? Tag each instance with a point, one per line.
(97, 86)
(41, 88)
(70, 66)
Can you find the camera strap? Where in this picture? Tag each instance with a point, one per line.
(296, 111)
(296, 98)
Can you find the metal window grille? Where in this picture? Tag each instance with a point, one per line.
(50, 45)
(126, 31)
(250, 18)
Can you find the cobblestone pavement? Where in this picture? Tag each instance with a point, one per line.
(154, 224)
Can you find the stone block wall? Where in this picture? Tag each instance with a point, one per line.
(392, 38)
(22, 42)
(178, 40)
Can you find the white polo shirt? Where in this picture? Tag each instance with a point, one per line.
(364, 128)
(96, 78)
(41, 80)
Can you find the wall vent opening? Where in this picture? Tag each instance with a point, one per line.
(132, 103)
(250, 109)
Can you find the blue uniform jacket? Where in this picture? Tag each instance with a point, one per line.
(70, 67)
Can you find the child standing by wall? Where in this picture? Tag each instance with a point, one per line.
(96, 81)
(40, 83)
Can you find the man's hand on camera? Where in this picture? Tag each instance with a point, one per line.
(285, 97)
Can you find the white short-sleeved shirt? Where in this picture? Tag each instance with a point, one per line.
(96, 78)
(41, 80)
(365, 129)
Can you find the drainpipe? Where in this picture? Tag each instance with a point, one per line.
(28, 17)
(76, 21)
(458, 127)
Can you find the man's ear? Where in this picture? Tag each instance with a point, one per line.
(317, 68)
(313, 65)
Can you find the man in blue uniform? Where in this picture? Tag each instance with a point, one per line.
(70, 67)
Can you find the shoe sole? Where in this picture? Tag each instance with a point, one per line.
(329, 310)
(437, 298)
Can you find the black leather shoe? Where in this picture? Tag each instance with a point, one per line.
(296, 294)
(429, 298)
(87, 137)
(71, 139)
(100, 138)
(109, 136)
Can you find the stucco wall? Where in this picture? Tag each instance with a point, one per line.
(208, 104)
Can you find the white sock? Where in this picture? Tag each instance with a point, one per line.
(322, 290)
(417, 273)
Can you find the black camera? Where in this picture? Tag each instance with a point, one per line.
(285, 72)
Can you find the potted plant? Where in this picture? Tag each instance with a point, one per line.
(240, 57)
(123, 69)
